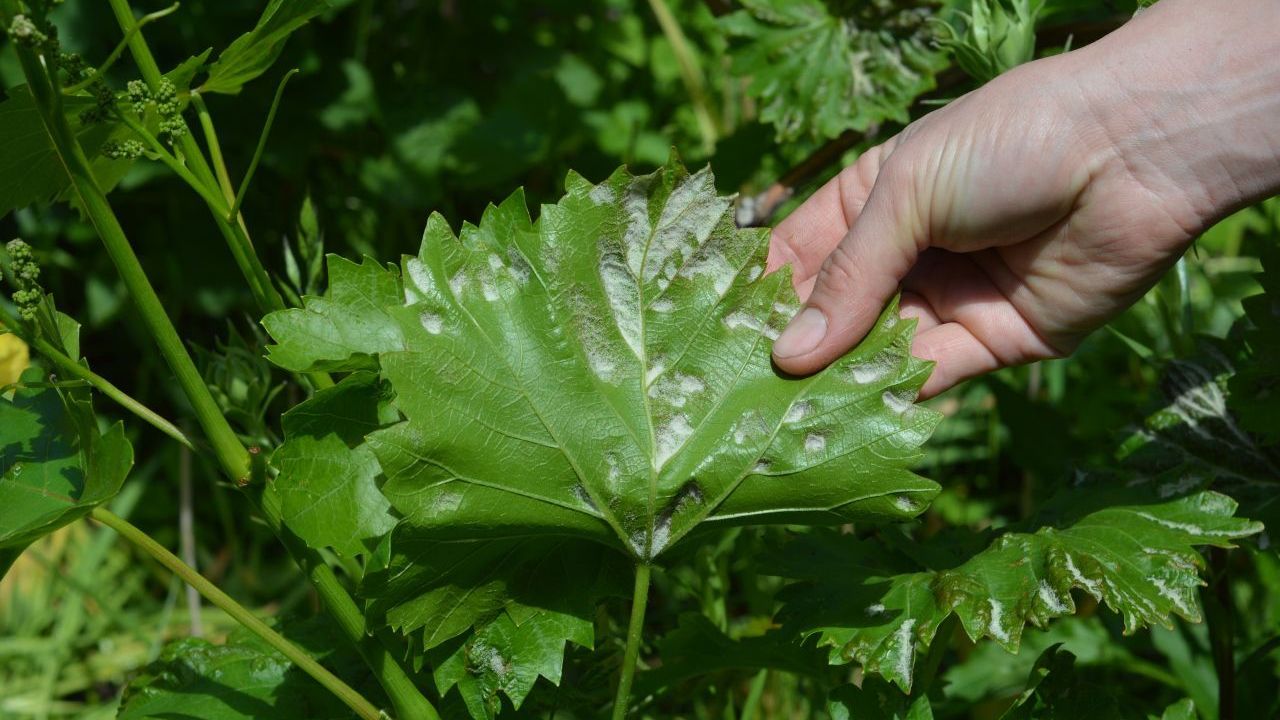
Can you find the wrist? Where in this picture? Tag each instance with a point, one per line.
(1185, 99)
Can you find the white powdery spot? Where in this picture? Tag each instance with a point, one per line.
(489, 288)
(905, 503)
(624, 300)
(495, 263)
(713, 265)
(1093, 587)
(814, 443)
(419, 280)
(636, 206)
(432, 322)
(750, 425)
(995, 627)
(614, 474)
(1050, 598)
(904, 648)
(669, 439)
(1187, 528)
(738, 319)
(799, 411)
(458, 283)
(875, 610)
(602, 194)
(896, 402)
(784, 309)
(662, 305)
(677, 389)
(761, 467)
(1172, 595)
(871, 371)
(446, 502)
(654, 372)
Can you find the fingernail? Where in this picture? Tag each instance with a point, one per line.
(803, 334)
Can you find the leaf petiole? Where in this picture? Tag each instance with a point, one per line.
(262, 143)
(635, 634)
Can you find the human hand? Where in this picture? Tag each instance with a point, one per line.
(1028, 213)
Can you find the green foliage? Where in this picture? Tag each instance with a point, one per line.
(562, 339)
(243, 679)
(494, 451)
(1126, 542)
(55, 465)
(994, 37)
(819, 69)
(251, 54)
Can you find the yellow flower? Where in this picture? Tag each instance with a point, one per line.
(14, 358)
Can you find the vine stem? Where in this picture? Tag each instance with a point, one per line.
(242, 615)
(48, 100)
(75, 369)
(232, 456)
(635, 634)
(690, 71)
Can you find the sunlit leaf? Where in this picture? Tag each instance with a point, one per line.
(1129, 544)
(605, 373)
(819, 70)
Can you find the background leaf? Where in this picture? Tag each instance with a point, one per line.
(254, 52)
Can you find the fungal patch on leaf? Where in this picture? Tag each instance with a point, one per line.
(1125, 544)
(571, 376)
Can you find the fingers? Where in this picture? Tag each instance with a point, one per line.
(967, 325)
(857, 277)
(809, 234)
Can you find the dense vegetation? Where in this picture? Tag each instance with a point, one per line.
(533, 461)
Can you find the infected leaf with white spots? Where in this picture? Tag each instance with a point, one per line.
(1131, 546)
(604, 372)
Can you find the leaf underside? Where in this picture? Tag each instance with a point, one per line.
(604, 373)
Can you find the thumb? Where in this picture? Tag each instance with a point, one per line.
(858, 277)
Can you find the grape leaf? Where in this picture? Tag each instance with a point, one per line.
(525, 599)
(245, 679)
(818, 71)
(55, 465)
(30, 171)
(327, 483)
(252, 53)
(1197, 430)
(605, 373)
(1128, 544)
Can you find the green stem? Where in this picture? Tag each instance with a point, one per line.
(215, 147)
(151, 74)
(755, 694)
(230, 453)
(262, 143)
(690, 72)
(71, 367)
(306, 663)
(119, 49)
(635, 634)
(1220, 617)
(407, 699)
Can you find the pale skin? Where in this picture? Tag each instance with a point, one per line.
(1026, 214)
